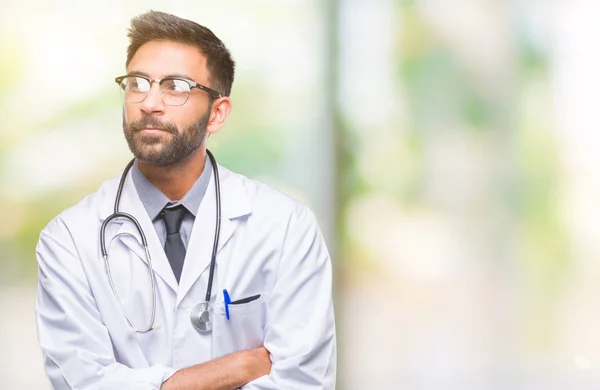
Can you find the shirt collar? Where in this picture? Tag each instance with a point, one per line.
(154, 200)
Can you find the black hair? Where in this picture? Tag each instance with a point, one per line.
(160, 26)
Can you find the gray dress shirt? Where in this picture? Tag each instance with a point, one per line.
(154, 201)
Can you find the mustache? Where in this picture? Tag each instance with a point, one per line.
(150, 121)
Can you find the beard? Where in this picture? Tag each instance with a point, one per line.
(162, 150)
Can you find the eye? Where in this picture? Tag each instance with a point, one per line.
(175, 86)
(135, 84)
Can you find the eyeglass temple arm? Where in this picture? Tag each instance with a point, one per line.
(207, 89)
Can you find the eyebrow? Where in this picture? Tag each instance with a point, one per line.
(176, 75)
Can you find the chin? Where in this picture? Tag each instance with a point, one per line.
(148, 150)
(151, 159)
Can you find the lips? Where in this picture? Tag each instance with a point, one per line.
(152, 131)
(151, 126)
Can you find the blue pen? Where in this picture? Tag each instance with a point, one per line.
(227, 302)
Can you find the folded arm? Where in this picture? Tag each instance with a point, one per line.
(76, 345)
(228, 372)
(300, 331)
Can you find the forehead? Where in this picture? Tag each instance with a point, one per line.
(159, 59)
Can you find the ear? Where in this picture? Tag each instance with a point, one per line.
(219, 112)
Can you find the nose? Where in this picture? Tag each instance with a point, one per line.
(153, 103)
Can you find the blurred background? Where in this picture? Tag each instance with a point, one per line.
(448, 148)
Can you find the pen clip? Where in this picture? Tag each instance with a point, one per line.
(227, 302)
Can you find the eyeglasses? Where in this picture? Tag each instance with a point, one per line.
(174, 91)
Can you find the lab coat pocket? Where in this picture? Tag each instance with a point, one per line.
(245, 300)
(243, 330)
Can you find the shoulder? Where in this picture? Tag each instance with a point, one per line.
(87, 213)
(264, 200)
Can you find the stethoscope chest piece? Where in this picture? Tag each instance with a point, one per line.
(201, 317)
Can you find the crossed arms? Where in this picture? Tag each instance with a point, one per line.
(299, 336)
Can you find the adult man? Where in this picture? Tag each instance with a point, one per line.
(124, 322)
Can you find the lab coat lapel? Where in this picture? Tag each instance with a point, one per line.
(129, 235)
(233, 204)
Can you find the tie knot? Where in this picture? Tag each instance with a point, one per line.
(173, 217)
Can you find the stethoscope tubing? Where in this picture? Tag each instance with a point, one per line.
(117, 214)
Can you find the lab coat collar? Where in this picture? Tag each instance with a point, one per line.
(234, 204)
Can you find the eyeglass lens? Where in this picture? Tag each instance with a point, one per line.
(174, 92)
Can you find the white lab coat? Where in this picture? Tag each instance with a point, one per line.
(269, 245)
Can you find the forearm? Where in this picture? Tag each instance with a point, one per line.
(226, 373)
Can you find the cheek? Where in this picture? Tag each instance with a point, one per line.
(129, 113)
(186, 117)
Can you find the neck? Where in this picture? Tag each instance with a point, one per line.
(175, 180)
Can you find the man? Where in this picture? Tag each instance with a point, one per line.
(114, 316)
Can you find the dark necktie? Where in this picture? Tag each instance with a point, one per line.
(174, 248)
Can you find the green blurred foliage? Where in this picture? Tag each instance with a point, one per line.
(545, 241)
(438, 89)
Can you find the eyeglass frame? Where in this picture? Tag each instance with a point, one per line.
(213, 93)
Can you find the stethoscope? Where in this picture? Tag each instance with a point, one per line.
(201, 314)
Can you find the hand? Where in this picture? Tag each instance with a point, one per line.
(257, 362)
